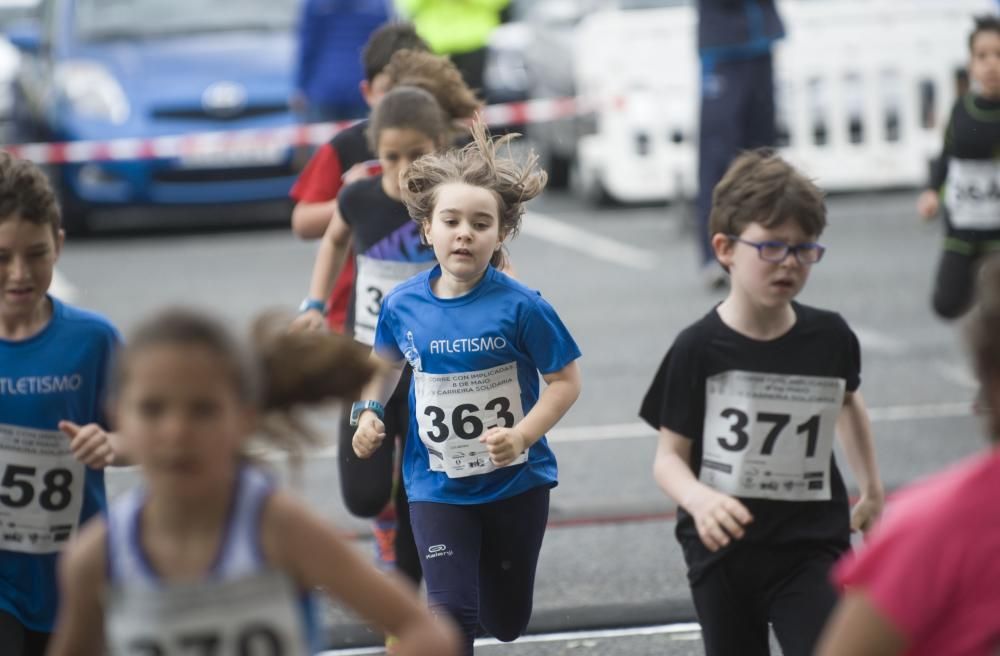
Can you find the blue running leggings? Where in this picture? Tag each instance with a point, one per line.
(479, 560)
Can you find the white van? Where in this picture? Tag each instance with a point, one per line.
(864, 88)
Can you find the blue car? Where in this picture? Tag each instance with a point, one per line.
(107, 69)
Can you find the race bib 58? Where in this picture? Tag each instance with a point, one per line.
(41, 490)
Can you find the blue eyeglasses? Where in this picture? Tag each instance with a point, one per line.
(775, 252)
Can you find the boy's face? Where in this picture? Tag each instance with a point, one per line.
(984, 64)
(767, 284)
(28, 253)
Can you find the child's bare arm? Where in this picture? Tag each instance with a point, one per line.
(371, 430)
(293, 536)
(858, 628)
(562, 388)
(717, 516)
(79, 629)
(855, 434)
(310, 220)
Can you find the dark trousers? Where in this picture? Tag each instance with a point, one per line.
(367, 484)
(954, 287)
(479, 561)
(17, 640)
(737, 113)
(755, 585)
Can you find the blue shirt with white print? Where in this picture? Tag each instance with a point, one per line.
(464, 352)
(62, 372)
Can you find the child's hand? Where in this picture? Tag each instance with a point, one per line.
(504, 445)
(928, 204)
(310, 320)
(865, 512)
(90, 444)
(718, 517)
(369, 435)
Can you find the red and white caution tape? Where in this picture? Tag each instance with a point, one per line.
(257, 140)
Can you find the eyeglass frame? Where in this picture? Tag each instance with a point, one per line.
(795, 250)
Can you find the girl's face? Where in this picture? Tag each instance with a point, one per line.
(397, 149)
(464, 229)
(182, 418)
(984, 67)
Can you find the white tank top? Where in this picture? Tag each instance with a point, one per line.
(241, 605)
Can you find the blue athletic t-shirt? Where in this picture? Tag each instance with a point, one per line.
(476, 361)
(60, 373)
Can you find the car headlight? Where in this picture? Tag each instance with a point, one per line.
(92, 91)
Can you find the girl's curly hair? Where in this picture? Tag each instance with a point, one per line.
(438, 76)
(478, 164)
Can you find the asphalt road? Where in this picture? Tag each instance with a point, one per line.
(625, 282)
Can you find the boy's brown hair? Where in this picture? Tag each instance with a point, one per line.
(984, 23)
(25, 192)
(762, 188)
(384, 42)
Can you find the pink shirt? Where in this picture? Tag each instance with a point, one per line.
(932, 567)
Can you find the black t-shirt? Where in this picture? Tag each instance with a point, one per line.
(387, 249)
(351, 145)
(972, 136)
(763, 401)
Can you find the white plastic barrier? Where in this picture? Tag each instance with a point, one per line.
(864, 88)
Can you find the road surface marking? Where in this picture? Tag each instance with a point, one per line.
(563, 234)
(639, 430)
(684, 631)
(879, 342)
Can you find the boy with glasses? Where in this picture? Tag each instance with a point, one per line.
(747, 402)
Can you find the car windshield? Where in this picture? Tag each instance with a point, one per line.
(15, 11)
(130, 19)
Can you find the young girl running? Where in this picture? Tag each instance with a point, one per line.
(372, 221)
(208, 556)
(476, 465)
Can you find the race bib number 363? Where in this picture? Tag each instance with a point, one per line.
(255, 616)
(454, 410)
(770, 436)
(41, 490)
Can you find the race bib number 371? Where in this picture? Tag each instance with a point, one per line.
(454, 410)
(770, 436)
(41, 490)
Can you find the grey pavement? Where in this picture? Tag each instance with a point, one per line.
(609, 560)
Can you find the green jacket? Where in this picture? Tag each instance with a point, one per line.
(453, 26)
